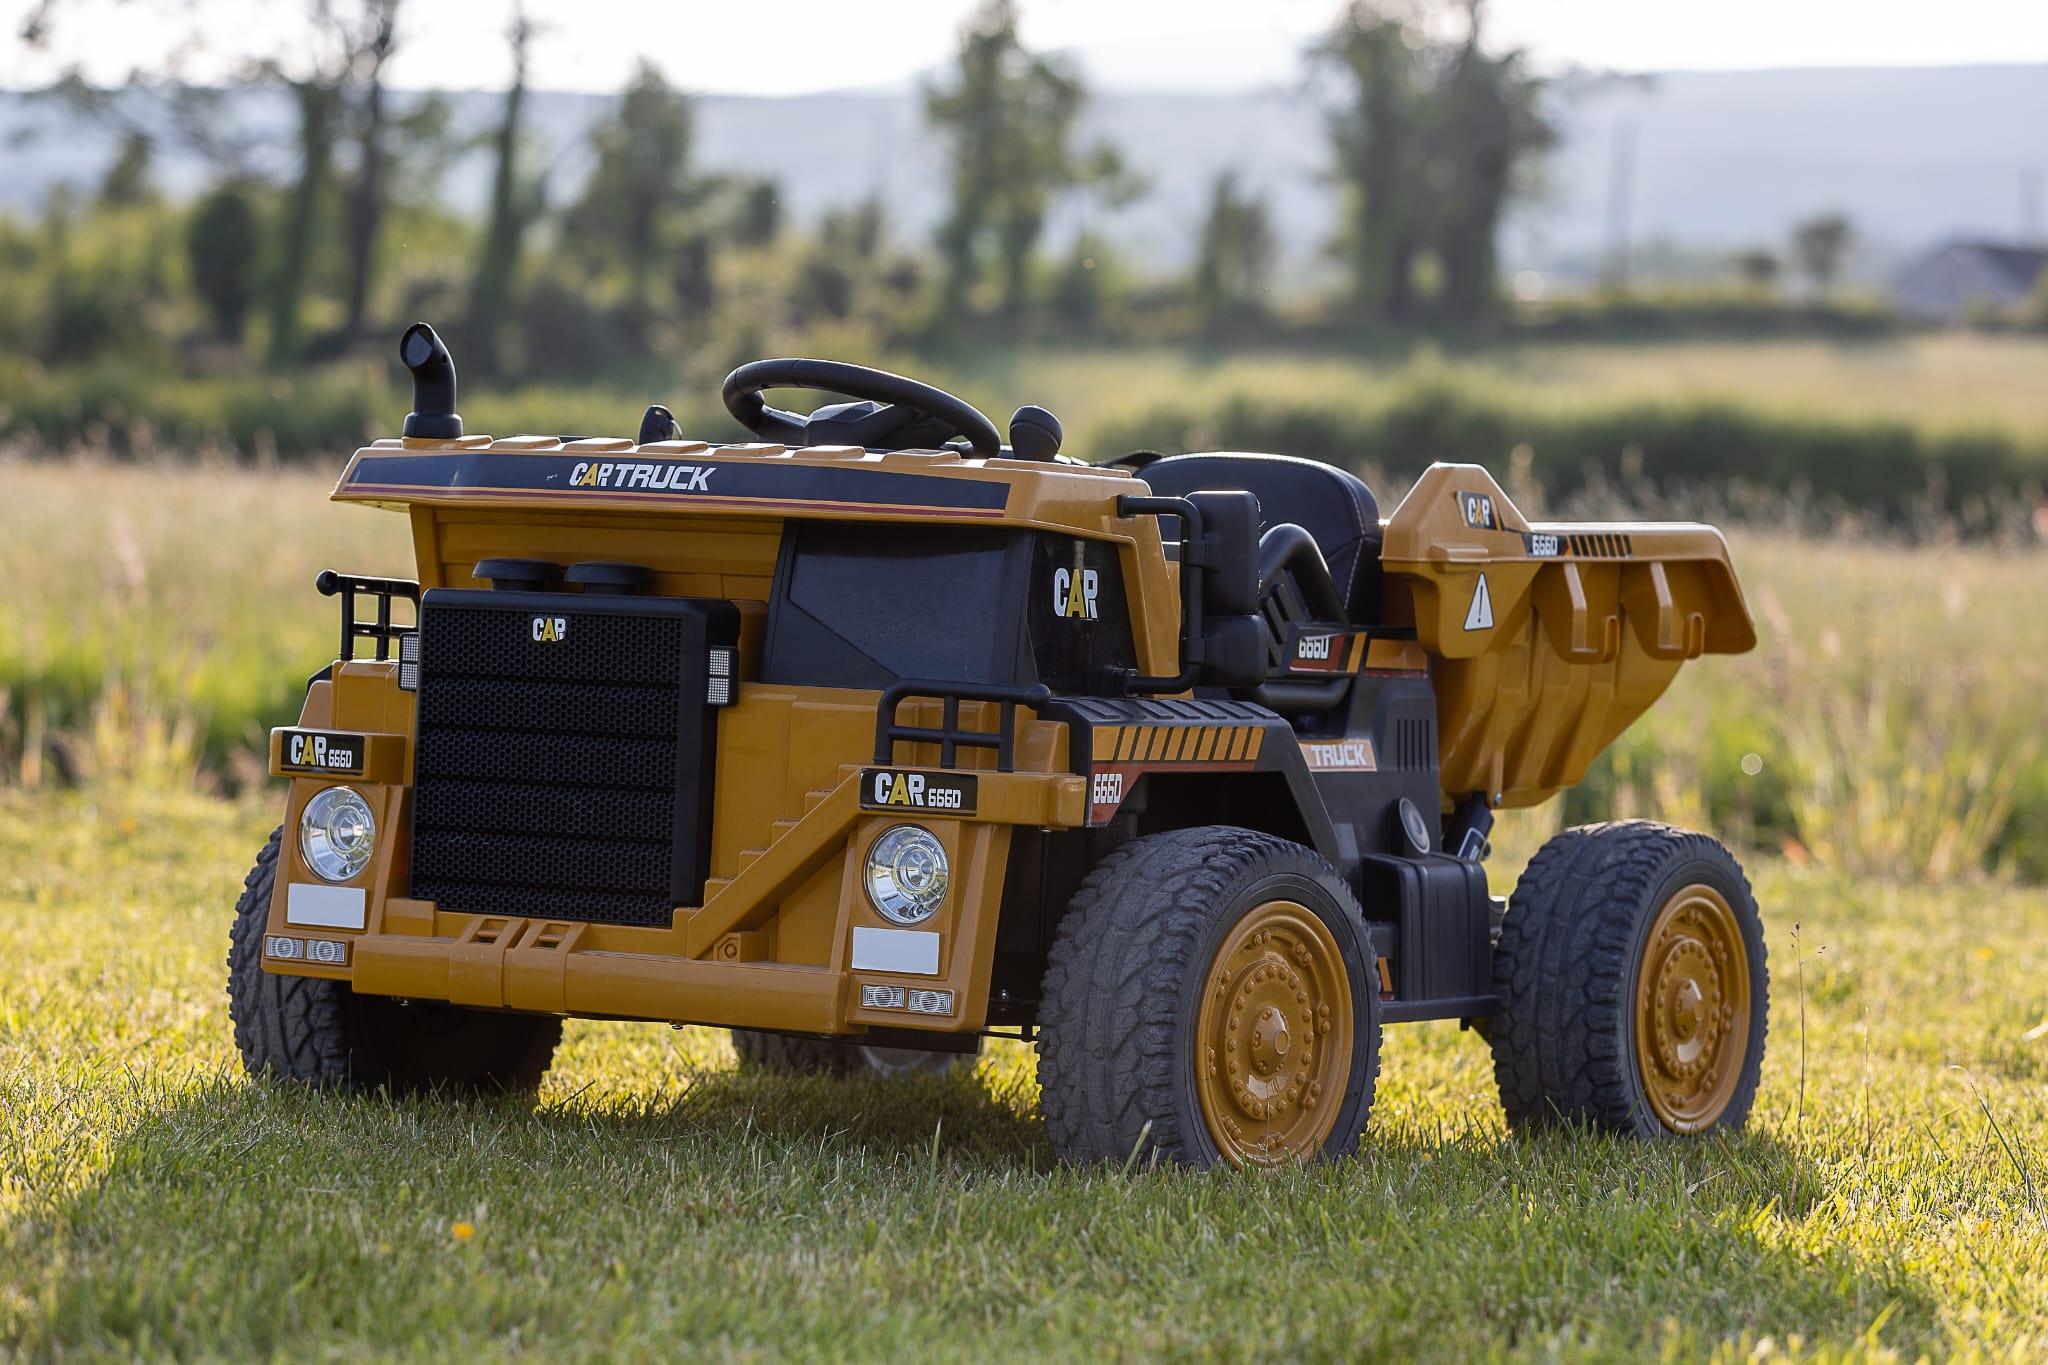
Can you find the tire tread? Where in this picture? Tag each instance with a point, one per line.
(1564, 971)
(1110, 1064)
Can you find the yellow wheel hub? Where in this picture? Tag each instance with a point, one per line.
(1692, 1009)
(1273, 1036)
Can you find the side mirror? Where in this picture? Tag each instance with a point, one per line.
(1233, 640)
(1223, 638)
(1229, 553)
(1233, 652)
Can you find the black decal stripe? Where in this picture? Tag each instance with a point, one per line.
(749, 482)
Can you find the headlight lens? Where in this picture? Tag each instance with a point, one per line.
(907, 874)
(337, 834)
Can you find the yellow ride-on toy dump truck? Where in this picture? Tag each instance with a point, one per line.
(883, 735)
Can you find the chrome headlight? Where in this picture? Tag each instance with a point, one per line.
(337, 833)
(906, 874)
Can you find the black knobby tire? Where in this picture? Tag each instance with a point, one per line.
(1568, 966)
(299, 1028)
(759, 1050)
(1117, 1044)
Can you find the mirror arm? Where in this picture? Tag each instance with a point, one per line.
(1193, 563)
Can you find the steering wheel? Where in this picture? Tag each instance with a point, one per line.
(889, 410)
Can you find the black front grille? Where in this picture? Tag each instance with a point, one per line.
(563, 772)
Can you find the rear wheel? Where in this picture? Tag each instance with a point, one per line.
(1208, 1001)
(762, 1051)
(1632, 972)
(299, 1028)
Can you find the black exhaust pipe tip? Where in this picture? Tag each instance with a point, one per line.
(433, 416)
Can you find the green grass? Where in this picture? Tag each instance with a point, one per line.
(164, 618)
(167, 615)
(1878, 759)
(1938, 383)
(1888, 1200)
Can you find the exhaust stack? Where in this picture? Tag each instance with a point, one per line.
(433, 416)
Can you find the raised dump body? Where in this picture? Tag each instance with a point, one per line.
(1547, 639)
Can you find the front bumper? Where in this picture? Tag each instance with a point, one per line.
(732, 962)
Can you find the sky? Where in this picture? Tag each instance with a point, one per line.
(789, 46)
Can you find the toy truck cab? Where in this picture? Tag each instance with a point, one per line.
(881, 732)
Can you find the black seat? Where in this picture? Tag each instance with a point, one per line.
(1332, 505)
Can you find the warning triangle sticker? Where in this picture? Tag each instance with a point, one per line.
(1480, 615)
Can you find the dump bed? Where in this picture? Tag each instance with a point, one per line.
(1547, 639)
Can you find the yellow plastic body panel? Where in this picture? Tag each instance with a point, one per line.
(718, 546)
(768, 948)
(770, 945)
(1547, 639)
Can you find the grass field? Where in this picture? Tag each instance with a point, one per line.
(1891, 715)
(1888, 1201)
(1943, 382)
(1878, 760)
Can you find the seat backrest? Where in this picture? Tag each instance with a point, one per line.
(1329, 503)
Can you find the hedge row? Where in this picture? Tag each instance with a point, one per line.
(1813, 468)
(1888, 470)
(316, 415)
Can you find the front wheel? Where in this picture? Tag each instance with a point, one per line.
(1634, 986)
(301, 1028)
(1209, 1000)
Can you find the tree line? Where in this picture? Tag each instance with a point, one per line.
(1433, 132)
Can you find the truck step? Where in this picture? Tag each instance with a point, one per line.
(714, 885)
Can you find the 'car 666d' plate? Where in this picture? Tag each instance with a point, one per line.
(909, 789)
(322, 751)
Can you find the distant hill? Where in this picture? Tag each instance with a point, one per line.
(1722, 160)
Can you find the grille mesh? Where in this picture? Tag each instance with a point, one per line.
(545, 777)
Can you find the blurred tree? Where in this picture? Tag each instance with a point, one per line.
(221, 245)
(315, 103)
(847, 246)
(333, 64)
(367, 195)
(641, 185)
(334, 69)
(1234, 257)
(1376, 136)
(1008, 120)
(1758, 268)
(693, 276)
(860, 231)
(1432, 142)
(1821, 246)
(757, 220)
(1080, 288)
(104, 282)
(126, 182)
(1487, 128)
(513, 207)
